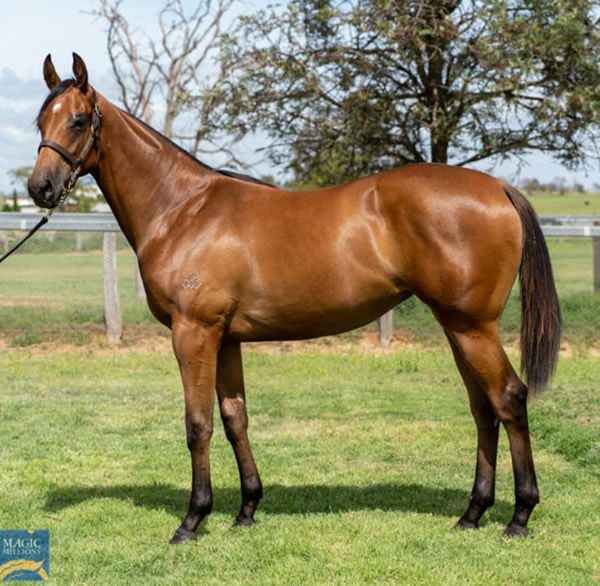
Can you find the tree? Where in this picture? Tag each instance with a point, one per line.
(20, 177)
(171, 73)
(349, 87)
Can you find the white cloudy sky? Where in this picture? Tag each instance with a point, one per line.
(30, 29)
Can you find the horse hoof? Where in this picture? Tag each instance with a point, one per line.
(464, 524)
(243, 522)
(513, 530)
(181, 536)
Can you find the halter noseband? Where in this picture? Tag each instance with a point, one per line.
(76, 162)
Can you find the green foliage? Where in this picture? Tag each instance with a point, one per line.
(346, 88)
(20, 176)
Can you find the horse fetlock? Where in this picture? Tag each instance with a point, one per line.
(527, 496)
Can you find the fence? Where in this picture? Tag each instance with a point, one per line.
(552, 226)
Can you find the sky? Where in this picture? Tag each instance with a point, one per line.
(30, 29)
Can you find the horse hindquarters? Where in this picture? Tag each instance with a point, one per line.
(495, 391)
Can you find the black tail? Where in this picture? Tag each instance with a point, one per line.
(540, 310)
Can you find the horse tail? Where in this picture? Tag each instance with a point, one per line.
(540, 309)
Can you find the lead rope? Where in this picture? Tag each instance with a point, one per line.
(43, 221)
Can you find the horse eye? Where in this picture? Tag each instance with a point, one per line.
(78, 121)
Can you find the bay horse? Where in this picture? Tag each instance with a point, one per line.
(226, 259)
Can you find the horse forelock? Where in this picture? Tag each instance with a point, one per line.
(55, 92)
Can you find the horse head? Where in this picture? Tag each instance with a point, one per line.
(69, 122)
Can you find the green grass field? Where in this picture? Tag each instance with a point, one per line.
(572, 204)
(367, 463)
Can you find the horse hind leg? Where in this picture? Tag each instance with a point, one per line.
(488, 373)
(483, 492)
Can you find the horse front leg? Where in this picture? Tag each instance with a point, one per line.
(196, 350)
(232, 403)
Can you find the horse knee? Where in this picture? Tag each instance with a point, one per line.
(235, 418)
(199, 430)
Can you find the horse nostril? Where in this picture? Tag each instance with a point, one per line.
(48, 189)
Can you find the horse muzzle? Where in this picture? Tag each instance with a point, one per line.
(45, 190)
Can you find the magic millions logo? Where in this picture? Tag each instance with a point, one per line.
(24, 555)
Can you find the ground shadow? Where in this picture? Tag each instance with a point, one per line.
(284, 500)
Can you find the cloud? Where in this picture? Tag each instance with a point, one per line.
(14, 88)
(20, 100)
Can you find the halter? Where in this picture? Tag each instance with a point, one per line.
(76, 162)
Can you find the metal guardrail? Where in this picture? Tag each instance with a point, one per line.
(68, 222)
(566, 220)
(576, 226)
(575, 231)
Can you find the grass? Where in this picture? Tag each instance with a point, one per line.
(570, 204)
(365, 472)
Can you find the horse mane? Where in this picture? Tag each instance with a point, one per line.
(67, 83)
(224, 172)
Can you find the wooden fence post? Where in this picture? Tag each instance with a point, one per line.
(596, 245)
(112, 310)
(385, 324)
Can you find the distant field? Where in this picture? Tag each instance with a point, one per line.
(570, 204)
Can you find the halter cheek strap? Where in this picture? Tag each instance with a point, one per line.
(77, 162)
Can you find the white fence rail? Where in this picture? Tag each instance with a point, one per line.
(60, 222)
(552, 226)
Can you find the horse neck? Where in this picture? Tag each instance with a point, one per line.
(141, 174)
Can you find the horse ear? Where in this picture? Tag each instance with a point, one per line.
(50, 76)
(80, 71)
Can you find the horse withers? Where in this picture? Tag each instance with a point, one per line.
(226, 259)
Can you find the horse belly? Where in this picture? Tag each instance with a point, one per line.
(314, 307)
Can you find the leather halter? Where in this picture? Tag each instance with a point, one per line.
(76, 162)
